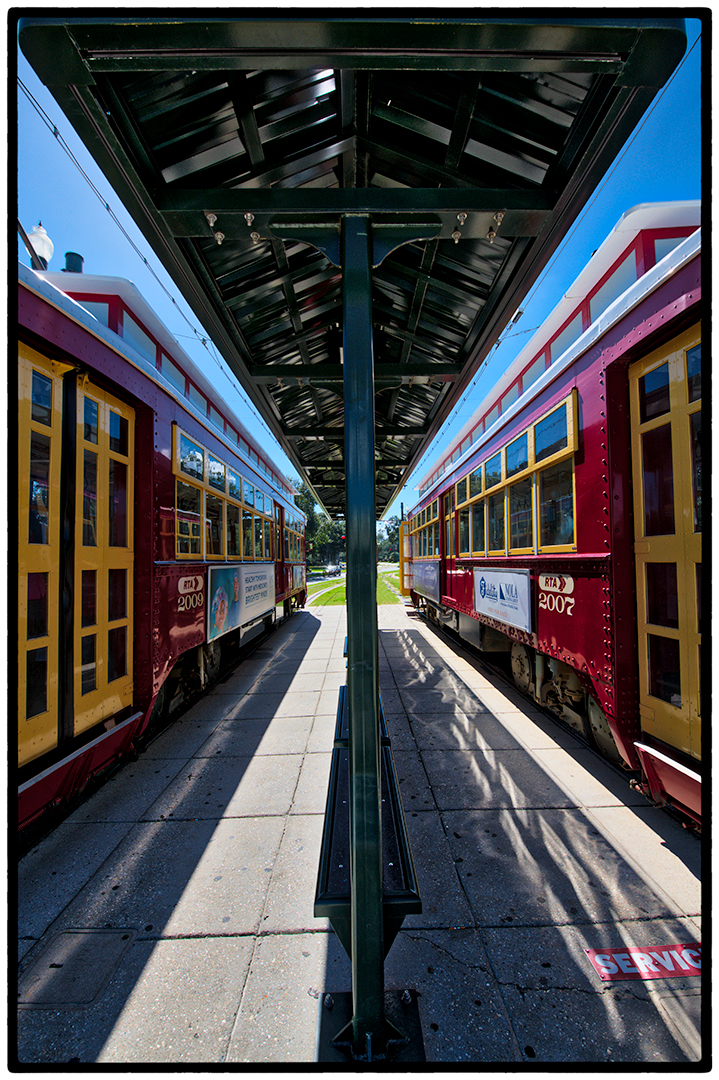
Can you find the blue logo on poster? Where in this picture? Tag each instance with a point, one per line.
(507, 591)
(482, 588)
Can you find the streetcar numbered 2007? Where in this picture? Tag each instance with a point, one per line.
(582, 470)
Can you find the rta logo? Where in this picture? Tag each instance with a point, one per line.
(482, 588)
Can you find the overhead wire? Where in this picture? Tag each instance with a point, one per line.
(201, 338)
(540, 280)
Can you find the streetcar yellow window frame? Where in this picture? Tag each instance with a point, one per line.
(223, 485)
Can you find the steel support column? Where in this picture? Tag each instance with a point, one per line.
(362, 647)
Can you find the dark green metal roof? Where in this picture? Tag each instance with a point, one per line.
(496, 129)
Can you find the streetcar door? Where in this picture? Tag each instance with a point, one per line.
(40, 417)
(665, 392)
(104, 556)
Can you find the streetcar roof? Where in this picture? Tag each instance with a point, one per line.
(644, 217)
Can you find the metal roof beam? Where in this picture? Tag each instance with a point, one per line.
(184, 208)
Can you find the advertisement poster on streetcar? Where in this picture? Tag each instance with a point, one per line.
(237, 595)
(504, 595)
(425, 579)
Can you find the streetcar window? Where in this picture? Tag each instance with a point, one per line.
(197, 399)
(491, 417)
(234, 485)
(118, 503)
(695, 427)
(36, 605)
(248, 494)
(214, 525)
(90, 421)
(191, 458)
(521, 531)
(464, 531)
(89, 598)
(215, 473)
(39, 488)
(654, 393)
(116, 653)
(137, 337)
(462, 490)
(36, 682)
(556, 505)
(258, 537)
(475, 482)
(532, 373)
(517, 455)
(478, 526)
(267, 538)
(89, 501)
(510, 397)
(116, 594)
(118, 433)
(658, 476)
(662, 597)
(188, 519)
(664, 670)
(233, 530)
(550, 434)
(624, 275)
(88, 661)
(41, 399)
(247, 548)
(434, 509)
(495, 521)
(436, 539)
(259, 501)
(217, 419)
(173, 373)
(493, 470)
(566, 338)
(694, 373)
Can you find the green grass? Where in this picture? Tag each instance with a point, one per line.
(338, 594)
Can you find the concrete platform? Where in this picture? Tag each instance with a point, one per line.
(170, 921)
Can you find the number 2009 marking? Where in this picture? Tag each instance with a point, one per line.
(191, 600)
(562, 604)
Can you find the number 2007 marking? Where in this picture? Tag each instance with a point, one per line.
(562, 604)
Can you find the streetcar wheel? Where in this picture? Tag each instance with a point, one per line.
(602, 732)
(521, 667)
(212, 660)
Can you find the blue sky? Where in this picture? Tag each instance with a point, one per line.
(662, 162)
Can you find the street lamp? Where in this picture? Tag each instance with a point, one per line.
(42, 244)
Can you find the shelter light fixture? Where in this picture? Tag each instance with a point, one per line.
(41, 243)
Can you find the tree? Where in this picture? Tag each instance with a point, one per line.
(388, 541)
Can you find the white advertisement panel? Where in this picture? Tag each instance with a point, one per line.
(504, 595)
(237, 595)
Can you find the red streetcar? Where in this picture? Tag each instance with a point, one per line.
(155, 536)
(563, 527)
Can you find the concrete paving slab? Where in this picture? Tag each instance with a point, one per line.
(477, 779)
(462, 1012)
(311, 793)
(444, 903)
(51, 874)
(130, 792)
(182, 739)
(209, 788)
(322, 734)
(533, 866)
(587, 778)
(460, 731)
(658, 846)
(245, 738)
(328, 702)
(535, 730)
(290, 897)
(277, 1021)
(171, 1002)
